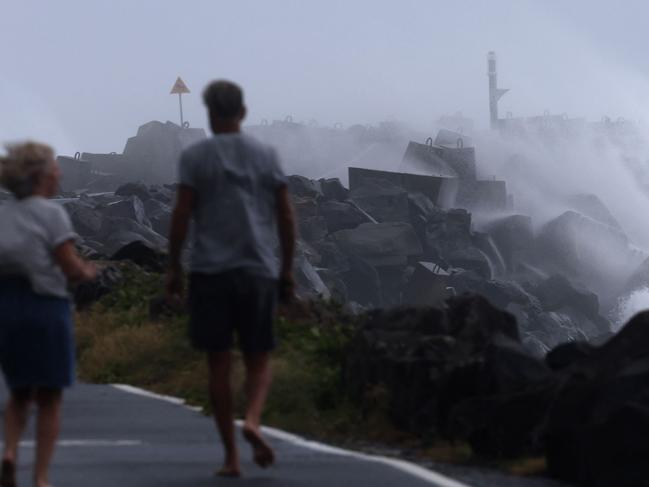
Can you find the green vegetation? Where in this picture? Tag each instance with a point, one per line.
(118, 342)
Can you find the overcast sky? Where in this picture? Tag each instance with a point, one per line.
(84, 74)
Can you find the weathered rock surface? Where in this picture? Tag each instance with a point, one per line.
(461, 372)
(382, 200)
(431, 361)
(380, 243)
(141, 254)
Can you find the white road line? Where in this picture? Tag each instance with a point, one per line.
(142, 392)
(421, 473)
(86, 443)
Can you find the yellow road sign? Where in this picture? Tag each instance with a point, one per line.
(179, 87)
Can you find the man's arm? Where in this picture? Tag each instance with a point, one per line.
(286, 231)
(180, 218)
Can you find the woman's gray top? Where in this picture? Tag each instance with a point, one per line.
(30, 230)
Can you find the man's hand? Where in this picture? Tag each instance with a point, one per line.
(286, 288)
(185, 200)
(174, 286)
(286, 233)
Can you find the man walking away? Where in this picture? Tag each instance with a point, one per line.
(235, 191)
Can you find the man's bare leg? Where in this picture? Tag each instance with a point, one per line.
(220, 367)
(258, 381)
(47, 432)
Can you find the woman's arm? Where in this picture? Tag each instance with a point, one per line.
(73, 266)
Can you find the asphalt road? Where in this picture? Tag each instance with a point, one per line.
(112, 438)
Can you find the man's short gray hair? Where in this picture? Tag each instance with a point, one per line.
(23, 164)
(224, 99)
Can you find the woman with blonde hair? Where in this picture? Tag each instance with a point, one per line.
(37, 259)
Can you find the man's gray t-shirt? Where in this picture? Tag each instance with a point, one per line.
(236, 179)
(30, 230)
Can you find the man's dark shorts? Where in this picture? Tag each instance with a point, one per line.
(235, 300)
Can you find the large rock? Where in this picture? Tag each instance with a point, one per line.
(159, 215)
(446, 232)
(331, 257)
(558, 294)
(341, 215)
(313, 229)
(117, 232)
(587, 250)
(303, 187)
(87, 221)
(363, 283)
(511, 235)
(332, 189)
(430, 361)
(163, 194)
(428, 286)
(138, 189)
(472, 259)
(153, 154)
(308, 282)
(597, 426)
(131, 208)
(143, 255)
(304, 207)
(380, 243)
(591, 206)
(384, 201)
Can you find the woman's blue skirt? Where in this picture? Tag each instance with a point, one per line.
(36, 337)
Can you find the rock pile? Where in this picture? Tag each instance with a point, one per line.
(462, 373)
(382, 245)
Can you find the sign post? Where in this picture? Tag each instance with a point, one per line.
(180, 87)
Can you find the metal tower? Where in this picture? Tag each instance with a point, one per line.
(495, 93)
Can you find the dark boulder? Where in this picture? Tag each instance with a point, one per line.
(382, 200)
(313, 229)
(303, 187)
(130, 208)
(86, 220)
(163, 194)
(117, 232)
(557, 293)
(430, 361)
(427, 286)
(596, 428)
(138, 189)
(341, 215)
(304, 207)
(332, 189)
(472, 259)
(447, 232)
(159, 215)
(331, 257)
(363, 283)
(511, 235)
(380, 243)
(568, 354)
(143, 255)
(309, 285)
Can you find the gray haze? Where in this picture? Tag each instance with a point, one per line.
(83, 75)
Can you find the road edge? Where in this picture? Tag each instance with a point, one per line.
(402, 465)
